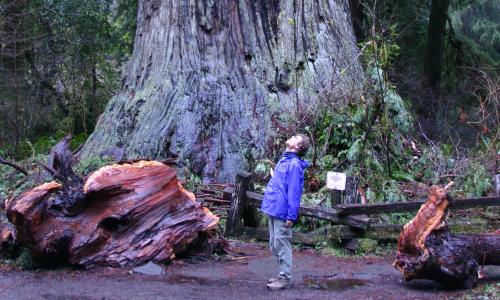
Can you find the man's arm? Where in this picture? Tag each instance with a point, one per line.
(294, 191)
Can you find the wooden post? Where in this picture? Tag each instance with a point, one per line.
(335, 197)
(238, 199)
(250, 213)
(497, 175)
(351, 194)
(497, 184)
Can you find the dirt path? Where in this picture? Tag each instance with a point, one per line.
(224, 279)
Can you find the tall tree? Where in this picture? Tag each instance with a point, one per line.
(435, 41)
(13, 49)
(59, 61)
(213, 81)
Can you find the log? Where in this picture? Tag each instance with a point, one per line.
(323, 213)
(131, 213)
(427, 250)
(378, 208)
(334, 234)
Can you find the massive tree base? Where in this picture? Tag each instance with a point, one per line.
(122, 215)
(426, 250)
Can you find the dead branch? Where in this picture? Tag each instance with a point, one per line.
(14, 165)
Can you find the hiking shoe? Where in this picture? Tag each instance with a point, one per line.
(273, 279)
(279, 284)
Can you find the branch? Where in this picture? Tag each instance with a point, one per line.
(51, 170)
(14, 165)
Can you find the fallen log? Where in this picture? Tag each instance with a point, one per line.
(427, 250)
(129, 213)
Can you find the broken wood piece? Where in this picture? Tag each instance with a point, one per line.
(215, 200)
(132, 213)
(426, 249)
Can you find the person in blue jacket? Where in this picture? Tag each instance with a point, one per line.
(281, 203)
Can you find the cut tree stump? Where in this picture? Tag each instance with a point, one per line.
(129, 213)
(426, 249)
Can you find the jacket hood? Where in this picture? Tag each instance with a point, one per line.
(287, 156)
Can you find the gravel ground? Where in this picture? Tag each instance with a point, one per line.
(227, 278)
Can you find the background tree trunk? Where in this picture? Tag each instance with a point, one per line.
(13, 49)
(435, 41)
(209, 81)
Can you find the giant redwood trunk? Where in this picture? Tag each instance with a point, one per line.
(211, 81)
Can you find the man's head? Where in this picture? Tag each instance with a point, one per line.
(298, 143)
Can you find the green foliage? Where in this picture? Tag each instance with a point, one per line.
(366, 246)
(262, 169)
(476, 24)
(26, 260)
(328, 250)
(91, 164)
(484, 292)
(477, 181)
(397, 218)
(191, 180)
(367, 139)
(71, 69)
(383, 47)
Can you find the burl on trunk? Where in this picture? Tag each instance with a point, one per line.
(426, 250)
(126, 214)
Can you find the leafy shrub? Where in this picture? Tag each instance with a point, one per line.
(477, 182)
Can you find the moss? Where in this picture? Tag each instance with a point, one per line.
(335, 233)
(26, 260)
(92, 163)
(366, 246)
(471, 227)
(334, 251)
(388, 234)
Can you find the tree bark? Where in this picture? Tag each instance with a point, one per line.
(211, 81)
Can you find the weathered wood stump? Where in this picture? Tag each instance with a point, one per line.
(426, 250)
(129, 213)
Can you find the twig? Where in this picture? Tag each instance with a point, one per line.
(51, 170)
(14, 165)
(449, 185)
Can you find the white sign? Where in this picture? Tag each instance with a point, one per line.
(335, 181)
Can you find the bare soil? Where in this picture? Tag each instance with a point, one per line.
(231, 278)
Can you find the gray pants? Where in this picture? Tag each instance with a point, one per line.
(280, 242)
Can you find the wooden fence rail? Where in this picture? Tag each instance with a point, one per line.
(242, 214)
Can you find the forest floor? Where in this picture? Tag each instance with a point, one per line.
(236, 278)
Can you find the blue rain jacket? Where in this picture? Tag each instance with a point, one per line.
(283, 192)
